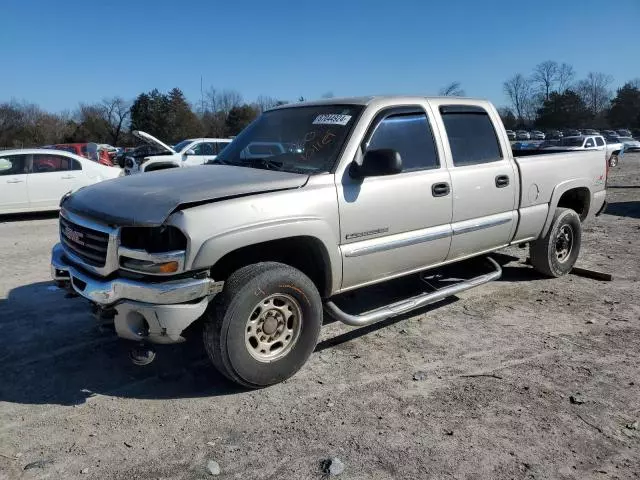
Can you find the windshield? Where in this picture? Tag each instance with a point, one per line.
(179, 146)
(298, 139)
(572, 142)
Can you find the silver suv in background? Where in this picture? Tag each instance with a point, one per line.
(187, 153)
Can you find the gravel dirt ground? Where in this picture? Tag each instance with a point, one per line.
(522, 378)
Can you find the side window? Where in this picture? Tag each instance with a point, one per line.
(13, 165)
(472, 138)
(45, 163)
(221, 146)
(204, 148)
(410, 135)
(589, 143)
(599, 142)
(209, 148)
(75, 165)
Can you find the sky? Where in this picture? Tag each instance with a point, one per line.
(59, 53)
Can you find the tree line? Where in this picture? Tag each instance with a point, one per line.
(548, 97)
(168, 116)
(551, 97)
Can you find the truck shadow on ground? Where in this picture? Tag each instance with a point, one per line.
(53, 351)
(624, 209)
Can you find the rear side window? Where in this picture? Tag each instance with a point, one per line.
(45, 163)
(410, 135)
(472, 138)
(589, 143)
(599, 142)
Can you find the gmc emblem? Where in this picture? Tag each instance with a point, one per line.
(73, 235)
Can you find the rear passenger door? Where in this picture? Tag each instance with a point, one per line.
(50, 177)
(484, 181)
(397, 223)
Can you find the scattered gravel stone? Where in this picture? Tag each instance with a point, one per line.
(333, 466)
(447, 432)
(84, 470)
(213, 467)
(419, 376)
(590, 322)
(576, 399)
(632, 426)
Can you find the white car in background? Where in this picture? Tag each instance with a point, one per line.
(187, 153)
(33, 180)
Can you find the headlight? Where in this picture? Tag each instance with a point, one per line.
(152, 250)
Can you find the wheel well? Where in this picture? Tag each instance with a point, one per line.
(307, 254)
(160, 166)
(577, 199)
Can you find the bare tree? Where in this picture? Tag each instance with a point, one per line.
(518, 89)
(453, 89)
(545, 76)
(116, 112)
(264, 102)
(229, 99)
(565, 77)
(222, 101)
(635, 83)
(594, 91)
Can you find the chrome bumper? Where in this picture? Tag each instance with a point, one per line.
(110, 292)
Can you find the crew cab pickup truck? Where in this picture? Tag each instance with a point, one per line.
(362, 191)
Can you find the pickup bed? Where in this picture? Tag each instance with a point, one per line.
(358, 191)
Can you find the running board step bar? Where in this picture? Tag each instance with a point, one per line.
(412, 303)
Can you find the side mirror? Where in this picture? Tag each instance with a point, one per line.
(377, 163)
(191, 151)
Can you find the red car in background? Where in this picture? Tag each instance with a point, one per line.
(92, 151)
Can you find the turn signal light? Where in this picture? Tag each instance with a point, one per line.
(169, 267)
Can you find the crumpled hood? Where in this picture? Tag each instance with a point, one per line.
(148, 199)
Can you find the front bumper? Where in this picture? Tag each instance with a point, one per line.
(156, 312)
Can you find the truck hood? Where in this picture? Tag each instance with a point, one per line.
(152, 140)
(149, 198)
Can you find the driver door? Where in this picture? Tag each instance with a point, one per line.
(203, 152)
(50, 177)
(394, 224)
(13, 183)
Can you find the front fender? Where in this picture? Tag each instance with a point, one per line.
(213, 249)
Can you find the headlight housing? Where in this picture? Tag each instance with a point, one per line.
(152, 250)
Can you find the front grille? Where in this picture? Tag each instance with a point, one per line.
(89, 245)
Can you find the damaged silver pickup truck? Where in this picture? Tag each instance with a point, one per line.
(310, 201)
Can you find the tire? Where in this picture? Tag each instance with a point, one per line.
(613, 161)
(556, 253)
(238, 324)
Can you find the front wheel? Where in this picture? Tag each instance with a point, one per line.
(556, 253)
(265, 324)
(613, 161)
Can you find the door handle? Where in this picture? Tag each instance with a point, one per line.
(15, 180)
(502, 181)
(440, 189)
(68, 177)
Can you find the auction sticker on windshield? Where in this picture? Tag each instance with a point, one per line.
(332, 119)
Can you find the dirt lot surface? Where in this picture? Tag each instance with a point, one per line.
(558, 399)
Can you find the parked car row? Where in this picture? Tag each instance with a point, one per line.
(570, 132)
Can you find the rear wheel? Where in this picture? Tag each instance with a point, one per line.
(556, 253)
(613, 161)
(265, 324)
